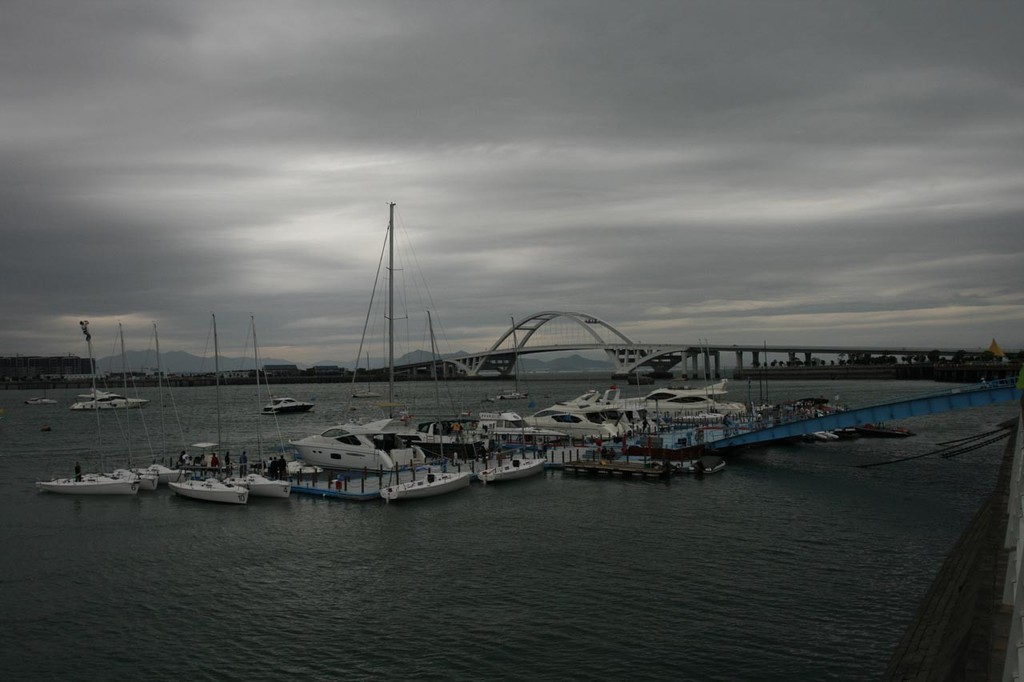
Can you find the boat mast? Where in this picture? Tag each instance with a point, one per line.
(124, 377)
(391, 308)
(84, 324)
(256, 354)
(160, 389)
(437, 388)
(216, 372)
(515, 354)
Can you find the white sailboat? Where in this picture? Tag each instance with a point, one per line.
(432, 484)
(512, 469)
(516, 467)
(90, 484)
(257, 484)
(210, 489)
(147, 480)
(163, 473)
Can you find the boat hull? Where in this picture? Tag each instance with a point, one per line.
(90, 485)
(210, 490)
(430, 485)
(261, 486)
(512, 470)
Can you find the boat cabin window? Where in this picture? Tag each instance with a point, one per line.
(348, 439)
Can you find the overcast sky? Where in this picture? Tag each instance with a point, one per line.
(743, 172)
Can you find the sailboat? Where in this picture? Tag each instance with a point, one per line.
(257, 484)
(433, 483)
(365, 392)
(210, 489)
(515, 394)
(147, 480)
(381, 444)
(163, 473)
(90, 484)
(516, 467)
(41, 400)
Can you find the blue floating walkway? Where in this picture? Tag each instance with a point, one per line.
(963, 397)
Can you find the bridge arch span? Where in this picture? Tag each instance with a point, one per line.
(531, 324)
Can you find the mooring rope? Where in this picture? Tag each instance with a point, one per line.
(946, 453)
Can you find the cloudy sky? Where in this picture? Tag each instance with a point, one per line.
(743, 172)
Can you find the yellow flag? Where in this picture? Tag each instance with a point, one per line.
(995, 350)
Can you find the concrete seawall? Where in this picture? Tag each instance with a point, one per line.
(961, 628)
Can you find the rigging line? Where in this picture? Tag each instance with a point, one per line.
(945, 453)
(366, 322)
(969, 438)
(975, 446)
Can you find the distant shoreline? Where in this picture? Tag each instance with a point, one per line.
(962, 373)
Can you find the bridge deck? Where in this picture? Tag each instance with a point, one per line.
(956, 399)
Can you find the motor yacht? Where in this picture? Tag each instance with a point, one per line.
(286, 406)
(381, 444)
(103, 400)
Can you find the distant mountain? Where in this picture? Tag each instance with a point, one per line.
(180, 362)
(572, 363)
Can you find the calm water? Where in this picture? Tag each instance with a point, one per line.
(791, 564)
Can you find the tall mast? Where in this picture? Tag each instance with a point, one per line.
(124, 376)
(84, 324)
(437, 389)
(391, 308)
(160, 389)
(256, 355)
(216, 372)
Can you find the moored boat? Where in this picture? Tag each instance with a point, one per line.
(514, 468)
(429, 485)
(90, 484)
(882, 431)
(261, 486)
(104, 400)
(210, 490)
(286, 406)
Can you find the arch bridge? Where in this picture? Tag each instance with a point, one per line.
(629, 356)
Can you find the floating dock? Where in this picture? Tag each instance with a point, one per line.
(618, 468)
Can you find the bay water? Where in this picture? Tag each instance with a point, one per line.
(793, 563)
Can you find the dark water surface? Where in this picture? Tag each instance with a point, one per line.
(791, 564)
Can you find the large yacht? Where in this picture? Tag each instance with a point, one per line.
(381, 444)
(594, 414)
(701, 403)
(101, 400)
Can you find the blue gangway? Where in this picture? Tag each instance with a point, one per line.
(975, 395)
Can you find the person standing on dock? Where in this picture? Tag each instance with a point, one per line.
(214, 462)
(227, 462)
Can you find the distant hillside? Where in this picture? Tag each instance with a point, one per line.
(179, 362)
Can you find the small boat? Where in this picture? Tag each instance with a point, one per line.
(147, 480)
(261, 486)
(882, 431)
(511, 470)
(165, 474)
(707, 464)
(90, 484)
(430, 485)
(103, 400)
(40, 401)
(286, 406)
(211, 490)
(512, 395)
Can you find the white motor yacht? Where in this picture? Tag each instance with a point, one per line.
(382, 444)
(103, 400)
(286, 406)
(692, 403)
(594, 414)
